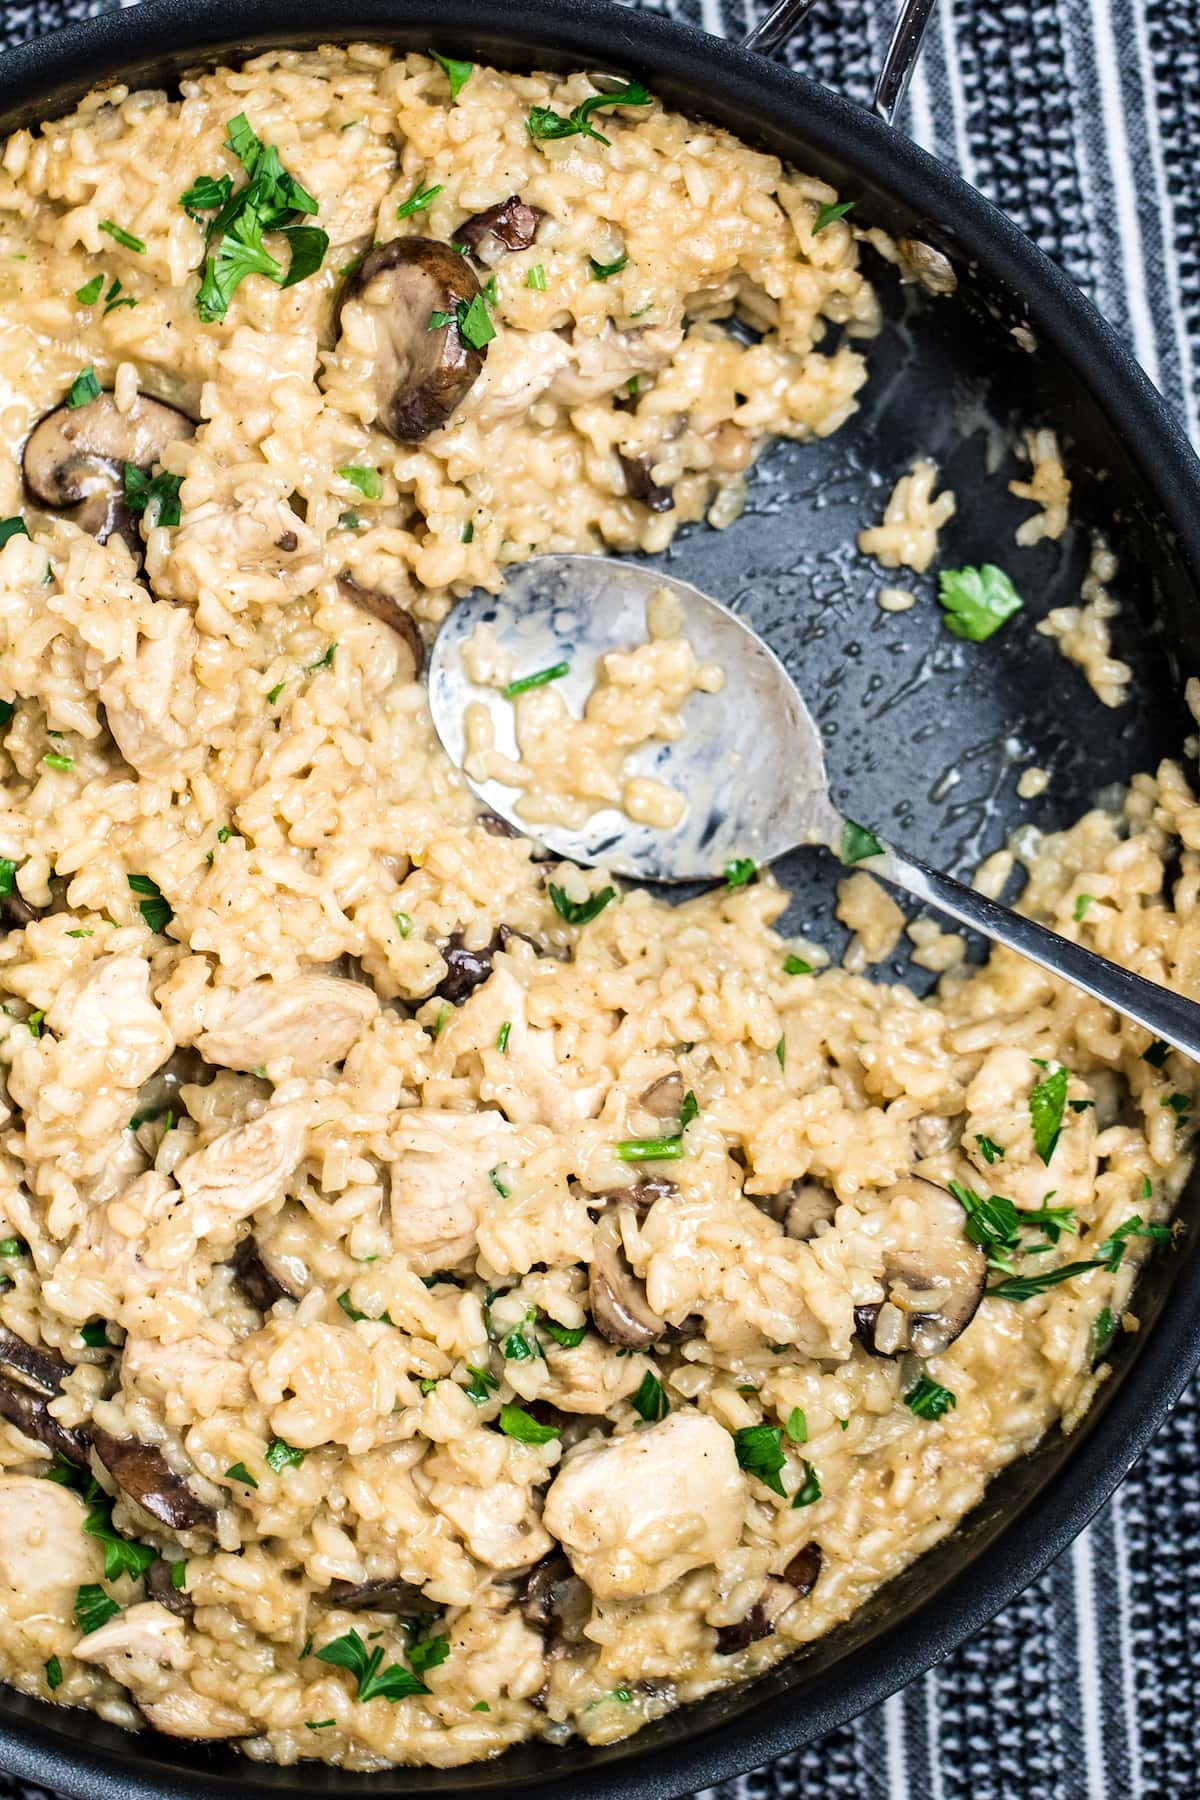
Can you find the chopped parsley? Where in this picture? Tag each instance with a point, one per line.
(13, 1246)
(522, 686)
(797, 1426)
(239, 1472)
(115, 298)
(796, 965)
(858, 843)
(759, 1450)
(156, 911)
(481, 1706)
(348, 1307)
(403, 923)
(1047, 1103)
(271, 200)
(569, 1336)
(1180, 1105)
(829, 210)
(418, 200)
(467, 535)
(56, 761)
(54, 1674)
(1157, 1054)
(95, 1334)
(428, 1653)
(85, 387)
(161, 489)
(93, 1608)
(516, 1346)
(89, 293)
(482, 1385)
(369, 482)
(125, 238)
(121, 1555)
(322, 662)
(536, 278)
(317, 1724)
(8, 870)
(502, 1036)
(34, 1022)
(1082, 902)
(602, 271)
(740, 872)
(457, 73)
(977, 601)
(10, 528)
(500, 1186)
(580, 912)
(280, 1456)
(544, 122)
(661, 1149)
(1025, 1287)
(651, 1399)
(349, 521)
(441, 1022)
(178, 1574)
(374, 1681)
(516, 1423)
(81, 934)
(1103, 1326)
(990, 1150)
(929, 1399)
(809, 1490)
(781, 1052)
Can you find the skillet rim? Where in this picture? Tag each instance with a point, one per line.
(190, 32)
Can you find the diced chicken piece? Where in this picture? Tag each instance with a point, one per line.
(600, 364)
(107, 1264)
(231, 1178)
(637, 1512)
(109, 1031)
(520, 367)
(441, 1182)
(536, 1089)
(193, 1376)
(311, 1020)
(998, 1109)
(498, 1522)
(146, 1649)
(593, 1376)
(44, 1555)
(150, 702)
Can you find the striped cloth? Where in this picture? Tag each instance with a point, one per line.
(1081, 119)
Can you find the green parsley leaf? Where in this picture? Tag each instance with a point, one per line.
(441, 1022)
(93, 1607)
(125, 238)
(349, 1308)
(115, 298)
(990, 1150)
(759, 1450)
(68, 1474)
(796, 965)
(482, 1385)
(1102, 1331)
(501, 1188)
(274, 693)
(502, 1036)
(156, 911)
(1047, 1103)
(34, 1022)
(84, 388)
(1157, 1054)
(858, 843)
(121, 1555)
(740, 873)
(322, 662)
(13, 1246)
(1025, 1287)
(830, 210)
(280, 1456)
(89, 293)
(404, 924)
(95, 1334)
(651, 1399)
(580, 912)
(602, 271)
(781, 1052)
(418, 200)
(307, 245)
(1180, 1105)
(481, 1706)
(543, 122)
(516, 1346)
(162, 489)
(467, 535)
(809, 1490)
(569, 1336)
(475, 328)
(206, 194)
(428, 1653)
(536, 278)
(317, 1724)
(1112, 1249)
(239, 1472)
(977, 601)
(349, 521)
(1082, 902)
(457, 73)
(797, 1426)
(10, 528)
(663, 1149)
(374, 1682)
(54, 1674)
(369, 482)
(515, 1422)
(8, 870)
(178, 1574)
(271, 200)
(80, 934)
(543, 676)
(928, 1399)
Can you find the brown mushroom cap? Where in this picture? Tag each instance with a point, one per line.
(421, 374)
(617, 1299)
(142, 1472)
(160, 1587)
(640, 1194)
(74, 458)
(934, 1275)
(30, 1377)
(803, 1570)
(554, 1600)
(760, 1621)
(640, 485)
(492, 234)
(385, 1595)
(807, 1205)
(259, 1279)
(664, 1098)
(382, 606)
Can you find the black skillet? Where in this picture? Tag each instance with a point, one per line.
(900, 703)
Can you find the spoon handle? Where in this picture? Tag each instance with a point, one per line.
(1164, 1014)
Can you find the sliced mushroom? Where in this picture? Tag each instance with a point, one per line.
(260, 1279)
(617, 1299)
(384, 1596)
(142, 1472)
(640, 485)
(808, 1204)
(929, 266)
(382, 606)
(492, 234)
(933, 1274)
(423, 370)
(664, 1098)
(30, 1363)
(933, 1133)
(465, 970)
(804, 1569)
(554, 1600)
(30, 1377)
(160, 1587)
(641, 1194)
(495, 826)
(760, 1621)
(74, 459)
(16, 912)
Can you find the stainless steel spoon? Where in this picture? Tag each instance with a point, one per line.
(750, 762)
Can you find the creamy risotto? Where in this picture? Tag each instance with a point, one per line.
(448, 1300)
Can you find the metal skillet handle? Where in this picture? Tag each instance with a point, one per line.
(1166, 1015)
(781, 22)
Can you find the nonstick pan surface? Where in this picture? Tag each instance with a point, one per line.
(926, 737)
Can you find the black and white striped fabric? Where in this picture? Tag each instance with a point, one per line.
(1081, 118)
